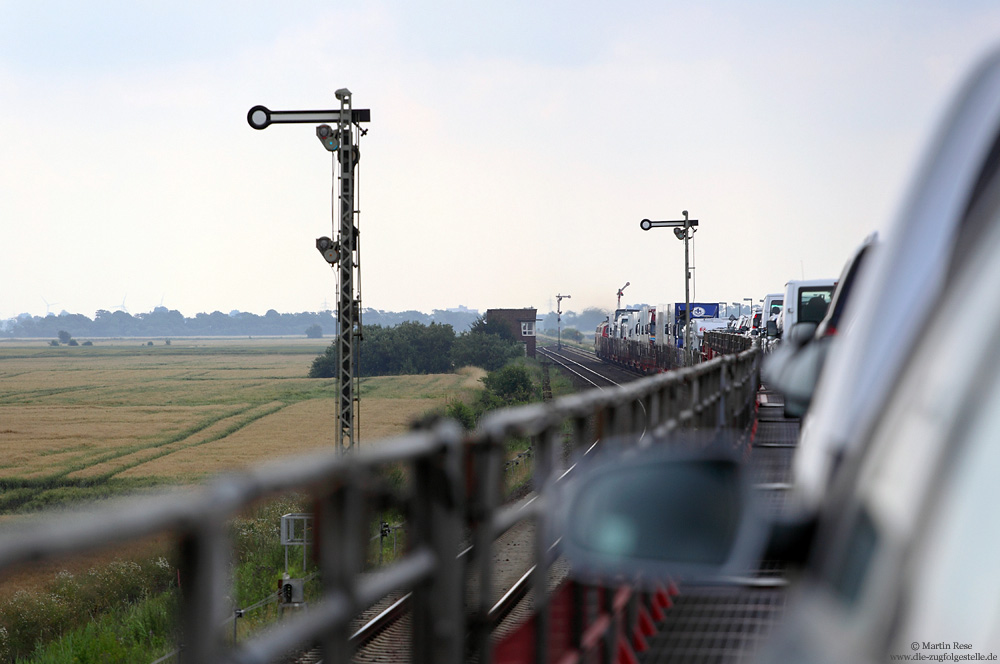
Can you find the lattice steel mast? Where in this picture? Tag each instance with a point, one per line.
(341, 252)
(348, 311)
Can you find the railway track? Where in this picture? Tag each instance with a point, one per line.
(586, 369)
(385, 639)
(382, 632)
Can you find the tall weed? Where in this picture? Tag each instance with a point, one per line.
(138, 634)
(28, 620)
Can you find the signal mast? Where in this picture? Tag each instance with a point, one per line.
(559, 299)
(621, 291)
(342, 252)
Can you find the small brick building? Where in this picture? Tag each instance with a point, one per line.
(521, 323)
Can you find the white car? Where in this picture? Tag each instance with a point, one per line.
(795, 367)
(937, 225)
(898, 546)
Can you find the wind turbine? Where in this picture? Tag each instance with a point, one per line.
(48, 305)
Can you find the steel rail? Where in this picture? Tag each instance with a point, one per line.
(591, 355)
(553, 355)
(503, 521)
(565, 362)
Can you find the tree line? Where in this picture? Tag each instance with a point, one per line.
(416, 348)
(163, 322)
(584, 322)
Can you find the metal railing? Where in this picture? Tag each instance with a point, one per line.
(726, 343)
(454, 491)
(642, 356)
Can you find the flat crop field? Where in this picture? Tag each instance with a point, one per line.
(81, 423)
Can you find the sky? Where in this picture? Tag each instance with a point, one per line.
(512, 151)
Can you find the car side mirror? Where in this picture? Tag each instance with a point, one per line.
(795, 372)
(654, 513)
(772, 329)
(643, 515)
(801, 333)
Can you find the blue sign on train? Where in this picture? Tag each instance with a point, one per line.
(698, 310)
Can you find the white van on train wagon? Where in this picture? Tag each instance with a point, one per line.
(806, 301)
(773, 304)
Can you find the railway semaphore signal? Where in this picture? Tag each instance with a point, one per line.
(339, 253)
(559, 299)
(260, 117)
(684, 229)
(621, 291)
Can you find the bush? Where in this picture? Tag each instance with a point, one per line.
(462, 413)
(512, 385)
(314, 331)
(415, 348)
(487, 351)
(572, 334)
(325, 365)
(496, 327)
(138, 634)
(258, 551)
(408, 348)
(31, 619)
